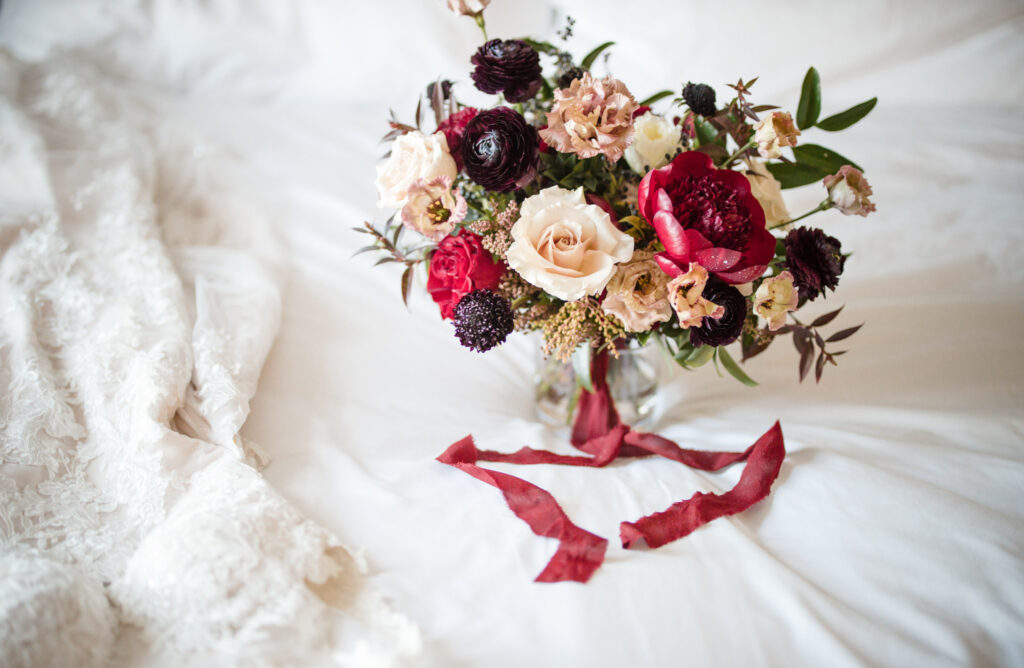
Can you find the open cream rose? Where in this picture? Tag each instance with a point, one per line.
(414, 156)
(637, 294)
(565, 246)
(768, 192)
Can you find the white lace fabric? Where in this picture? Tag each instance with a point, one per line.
(140, 293)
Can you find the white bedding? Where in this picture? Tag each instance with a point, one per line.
(895, 534)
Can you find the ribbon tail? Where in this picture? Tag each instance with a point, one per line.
(595, 413)
(579, 553)
(680, 519)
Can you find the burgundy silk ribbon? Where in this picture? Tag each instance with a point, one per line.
(600, 433)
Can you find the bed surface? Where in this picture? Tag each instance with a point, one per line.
(895, 532)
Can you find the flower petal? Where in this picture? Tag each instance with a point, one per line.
(717, 259)
(671, 234)
(668, 265)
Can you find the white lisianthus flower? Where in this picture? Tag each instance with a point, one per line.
(773, 132)
(776, 297)
(565, 246)
(414, 156)
(655, 141)
(768, 192)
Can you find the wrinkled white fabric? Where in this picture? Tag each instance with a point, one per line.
(140, 292)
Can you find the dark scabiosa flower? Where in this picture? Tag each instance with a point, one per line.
(727, 328)
(700, 98)
(500, 150)
(815, 260)
(508, 66)
(570, 75)
(483, 320)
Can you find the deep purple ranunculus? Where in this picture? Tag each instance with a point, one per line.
(815, 259)
(726, 328)
(508, 66)
(500, 150)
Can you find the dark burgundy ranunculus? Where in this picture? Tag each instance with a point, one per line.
(815, 260)
(726, 328)
(459, 265)
(508, 66)
(708, 216)
(500, 150)
(453, 128)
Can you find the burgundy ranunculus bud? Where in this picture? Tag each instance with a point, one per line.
(726, 329)
(815, 259)
(500, 150)
(507, 66)
(453, 128)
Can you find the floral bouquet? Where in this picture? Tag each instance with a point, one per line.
(572, 208)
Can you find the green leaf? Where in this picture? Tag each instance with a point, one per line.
(589, 59)
(581, 367)
(810, 100)
(823, 158)
(646, 102)
(697, 357)
(793, 175)
(706, 132)
(734, 369)
(845, 119)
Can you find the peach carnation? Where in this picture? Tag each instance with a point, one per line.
(591, 117)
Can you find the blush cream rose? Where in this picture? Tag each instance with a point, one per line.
(565, 246)
(414, 156)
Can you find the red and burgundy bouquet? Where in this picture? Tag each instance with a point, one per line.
(572, 208)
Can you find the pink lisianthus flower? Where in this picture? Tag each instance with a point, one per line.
(706, 216)
(433, 208)
(848, 191)
(685, 294)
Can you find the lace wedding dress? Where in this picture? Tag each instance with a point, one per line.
(139, 295)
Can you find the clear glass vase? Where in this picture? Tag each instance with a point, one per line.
(633, 378)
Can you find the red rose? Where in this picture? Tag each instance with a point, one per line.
(708, 216)
(453, 128)
(458, 266)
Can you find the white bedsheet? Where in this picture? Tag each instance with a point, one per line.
(895, 534)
